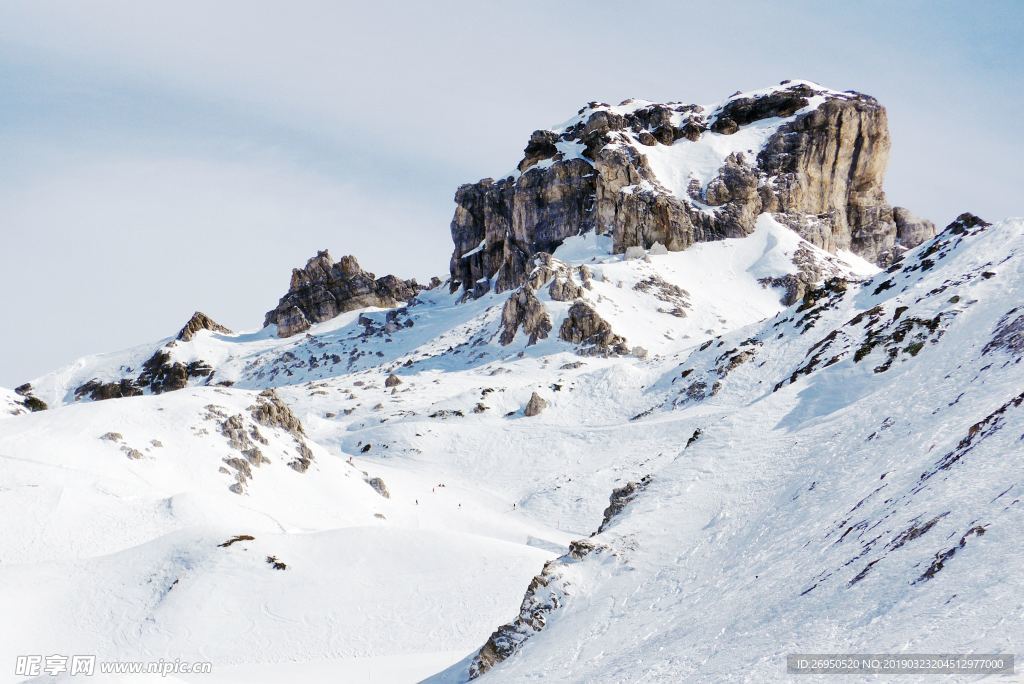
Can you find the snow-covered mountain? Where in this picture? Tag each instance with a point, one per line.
(679, 455)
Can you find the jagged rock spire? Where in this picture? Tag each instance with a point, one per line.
(322, 289)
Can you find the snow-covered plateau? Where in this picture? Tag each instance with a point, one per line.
(626, 463)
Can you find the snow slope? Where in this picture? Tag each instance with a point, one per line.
(870, 505)
(743, 546)
(11, 404)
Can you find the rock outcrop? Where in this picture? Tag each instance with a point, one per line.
(160, 373)
(523, 309)
(547, 592)
(29, 400)
(585, 327)
(200, 321)
(965, 222)
(322, 289)
(378, 486)
(812, 270)
(621, 497)
(639, 172)
(271, 411)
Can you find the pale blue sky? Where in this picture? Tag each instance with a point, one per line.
(165, 157)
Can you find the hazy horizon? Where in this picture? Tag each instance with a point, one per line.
(167, 158)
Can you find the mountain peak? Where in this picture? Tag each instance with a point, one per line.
(677, 174)
(199, 321)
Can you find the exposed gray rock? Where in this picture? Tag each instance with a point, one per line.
(322, 289)
(379, 486)
(810, 272)
(159, 374)
(98, 391)
(392, 381)
(241, 437)
(677, 299)
(535, 405)
(635, 252)
(563, 289)
(234, 429)
(29, 400)
(583, 326)
(200, 321)
(546, 593)
(523, 309)
(736, 182)
(498, 226)
(271, 411)
(561, 276)
(911, 230)
(965, 222)
(240, 470)
(830, 163)
(821, 172)
(618, 500)
(740, 111)
(1009, 334)
(118, 438)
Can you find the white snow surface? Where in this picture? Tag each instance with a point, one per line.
(743, 548)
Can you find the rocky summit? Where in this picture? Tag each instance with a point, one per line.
(322, 289)
(199, 321)
(676, 174)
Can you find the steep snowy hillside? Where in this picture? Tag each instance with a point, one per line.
(11, 404)
(668, 419)
(852, 486)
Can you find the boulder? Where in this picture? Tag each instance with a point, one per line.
(535, 405)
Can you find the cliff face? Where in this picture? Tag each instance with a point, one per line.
(323, 289)
(677, 174)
